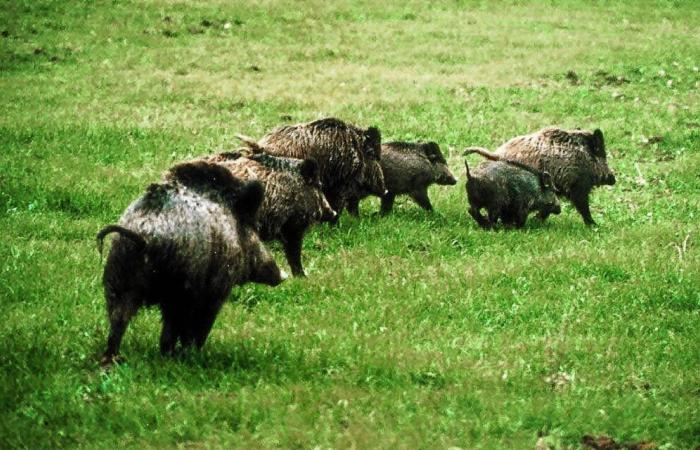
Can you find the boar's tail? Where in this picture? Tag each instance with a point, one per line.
(494, 157)
(251, 143)
(466, 166)
(135, 237)
(483, 152)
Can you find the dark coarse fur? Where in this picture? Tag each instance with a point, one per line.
(340, 149)
(508, 193)
(182, 246)
(293, 198)
(576, 159)
(410, 168)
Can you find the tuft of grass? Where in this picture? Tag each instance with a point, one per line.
(413, 330)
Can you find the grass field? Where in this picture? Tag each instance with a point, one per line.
(411, 331)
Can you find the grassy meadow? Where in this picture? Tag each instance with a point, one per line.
(412, 331)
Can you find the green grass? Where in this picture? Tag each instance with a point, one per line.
(412, 331)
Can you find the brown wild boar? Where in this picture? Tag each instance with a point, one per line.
(340, 149)
(181, 247)
(293, 198)
(576, 160)
(410, 168)
(508, 192)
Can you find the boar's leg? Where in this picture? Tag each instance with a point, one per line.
(120, 309)
(421, 197)
(581, 202)
(173, 327)
(387, 203)
(204, 320)
(353, 205)
(292, 237)
(480, 219)
(198, 326)
(337, 202)
(494, 215)
(518, 218)
(543, 215)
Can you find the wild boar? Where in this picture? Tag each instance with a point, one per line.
(293, 198)
(340, 149)
(576, 160)
(508, 192)
(410, 168)
(182, 246)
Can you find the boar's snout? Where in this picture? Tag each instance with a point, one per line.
(449, 180)
(265, 270)
(444, 175)
(327, 213)
(269, 274)
(610, 180)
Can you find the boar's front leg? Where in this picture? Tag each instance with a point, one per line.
(581, 202)
(202, 322)
(121, 308)
(292, 237)
(387, 203)
(353, 205)
(173, 328)
(337, 202)
(421, 197)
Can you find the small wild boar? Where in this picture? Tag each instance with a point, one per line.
(372, 183)
(509, 192)
(410, 168)
(182, 246)
(340, 149)
(293, 198)
(576, 160)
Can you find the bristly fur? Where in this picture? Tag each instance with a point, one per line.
(293, 199)
(409, 168)
(218, 184)
(182, 246)
(494, 157)
(340, 149)
(508, 193)
(575, 158)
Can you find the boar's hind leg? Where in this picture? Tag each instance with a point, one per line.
(480, 219)
(353, 205)
(387, 203)
(421, 197)
(581, 203)
(292, 237)
(203, 321)
(173, 327)
(120, 309)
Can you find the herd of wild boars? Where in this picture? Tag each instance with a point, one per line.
(198, 232)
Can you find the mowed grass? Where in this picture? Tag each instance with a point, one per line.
(412, 331)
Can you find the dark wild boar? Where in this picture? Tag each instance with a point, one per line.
(340, 149)
(293, 198)
(410, 168)
(508, 192)
(576, 160)
(181, 247)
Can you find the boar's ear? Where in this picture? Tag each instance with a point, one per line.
(598, 143)
(432, 151)
(373, 143)
(248, 200)
(308, 169)
(546, 180)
